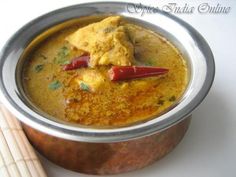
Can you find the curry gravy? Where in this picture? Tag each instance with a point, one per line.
(120, 103)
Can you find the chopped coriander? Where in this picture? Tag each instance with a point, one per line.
(173, 98)
(149, 62)
(84, 87)
(43, 56)
(161, 102)
(64, 51)
(38, 68)
(61, 61)
(64, 62)
(54, 85)
(62, 56)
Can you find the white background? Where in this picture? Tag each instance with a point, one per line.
(208, 149)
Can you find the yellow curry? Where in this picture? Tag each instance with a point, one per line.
(108, 73)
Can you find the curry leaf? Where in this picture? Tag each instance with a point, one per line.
(54, 85)
(38, 68)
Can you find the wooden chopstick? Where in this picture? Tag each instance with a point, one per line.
(17, 157)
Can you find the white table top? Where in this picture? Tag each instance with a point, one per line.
(208, 149)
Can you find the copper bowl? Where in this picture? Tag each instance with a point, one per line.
(107, 158)
(107, 150)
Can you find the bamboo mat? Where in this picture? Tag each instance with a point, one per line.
(17, 156)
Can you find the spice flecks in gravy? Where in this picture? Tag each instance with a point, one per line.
(96, 100)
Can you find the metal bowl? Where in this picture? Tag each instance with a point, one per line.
(83, 139)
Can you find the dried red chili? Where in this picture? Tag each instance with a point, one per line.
(117, 73)
(77, 62)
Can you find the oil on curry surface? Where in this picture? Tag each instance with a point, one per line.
(87, 94)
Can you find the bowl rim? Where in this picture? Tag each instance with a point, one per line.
(117, 134)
